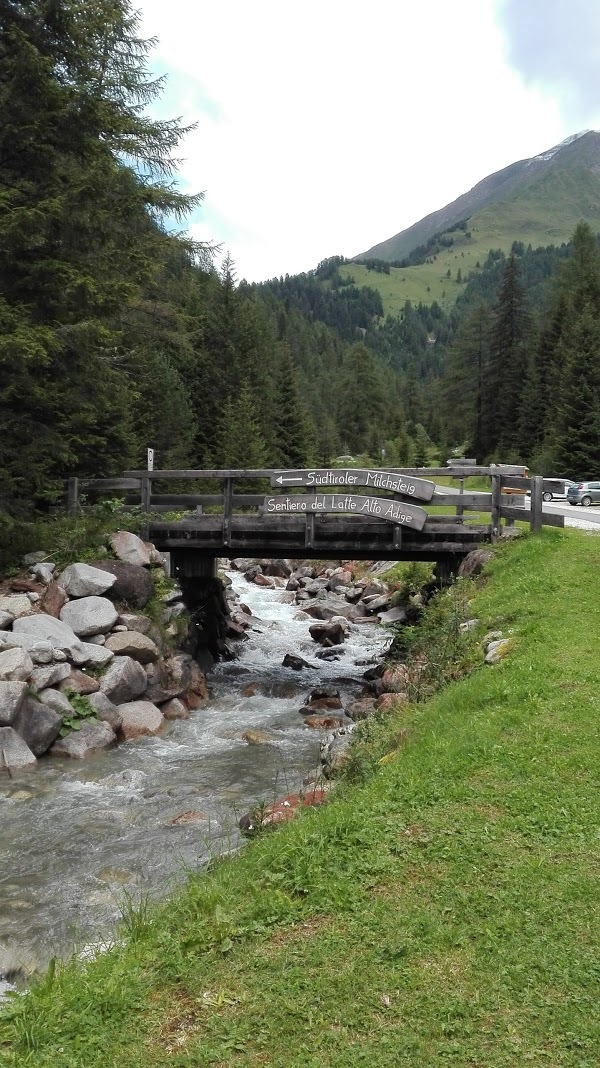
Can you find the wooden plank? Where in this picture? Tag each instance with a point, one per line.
(407, 514)
(495, 517)
(204, 474)
(535, 524)
(72, 495)
(549, 519)
(419, 472)
(111, 483)
(227, 509)
(328, 479)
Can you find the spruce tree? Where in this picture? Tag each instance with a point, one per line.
(506, 370)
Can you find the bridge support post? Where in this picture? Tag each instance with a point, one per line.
(72, 495)
(445, 569)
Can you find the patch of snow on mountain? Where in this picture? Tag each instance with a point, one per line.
(550, 152)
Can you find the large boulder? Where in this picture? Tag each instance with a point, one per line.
(12, 695)
(6, 620)
(54, 599)
(175, 709)
(131, 549)
(82, 580)
(15, 604)
(327, 633)
(134, 584)
(90, 615)
(169, 678)
(131, 643)
(139, 718)
(92, 653)
(363, 708)
(335, 751)
(44, 628)
(38, 725)
(323, 697)
(105, 709)
(474, 562)
(48, 676)
(16, 665)
(57, 701)
(124, 680)
(78, 682)
(88, 739)
(14, 752)
(135, 622)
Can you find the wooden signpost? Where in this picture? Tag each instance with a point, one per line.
(390, 511)
(329, 478)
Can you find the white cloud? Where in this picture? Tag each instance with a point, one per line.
(327, 126)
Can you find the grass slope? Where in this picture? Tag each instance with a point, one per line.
(444, 911)
(544, 212)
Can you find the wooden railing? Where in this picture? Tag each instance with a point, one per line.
(506, 499)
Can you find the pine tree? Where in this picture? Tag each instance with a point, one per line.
(464, 381)
(241, 444)
(291, 427)
(577, 427)
(506, 371)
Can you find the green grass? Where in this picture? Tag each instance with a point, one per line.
(442, 910)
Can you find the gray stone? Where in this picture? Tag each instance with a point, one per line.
(327, 633)
(59, 656)
(33, 596)
(16, 665)
(128, 779)
(90, 615)
(140, 623)
(96, 639)
(38, 725)
(132, 643)
(14, 752)
(6, 620)
(105, 709)
(336, 751)
(98, 655)
(78, 682)
(43, 677)
(497, 651)
(12, 695)
(89, 738)
(363, 708)
(169, 678)
(140, 718)
(15, 604)
(130, 549)
(43, 572)
(134, 584)
(175, 709)
(474, 562)
(393, 615)
(124, 680)
(41, 652)
(57, 701)
(43, 627)
(82, 580)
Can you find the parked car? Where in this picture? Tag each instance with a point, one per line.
(584, 493)
(554, 494)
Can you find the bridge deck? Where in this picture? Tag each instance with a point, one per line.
(334, 537)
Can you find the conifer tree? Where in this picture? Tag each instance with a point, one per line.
(291, 428)
(506, 370)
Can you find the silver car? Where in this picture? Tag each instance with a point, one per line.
(584, 493)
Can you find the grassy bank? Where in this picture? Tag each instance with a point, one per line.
(440, 910)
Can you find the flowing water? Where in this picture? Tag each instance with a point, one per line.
(76, 838)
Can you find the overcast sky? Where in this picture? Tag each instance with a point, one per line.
(326, 126)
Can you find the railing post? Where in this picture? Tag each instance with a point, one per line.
(146, 492)
(535, 521)
(459, 508)
(227, 509)
(309, 531)
(72, 495)
(495, 519)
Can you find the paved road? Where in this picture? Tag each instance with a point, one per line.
(575, 515)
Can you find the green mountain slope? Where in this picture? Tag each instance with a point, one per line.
(538, 202)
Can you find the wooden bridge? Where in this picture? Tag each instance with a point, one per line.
(402, 514)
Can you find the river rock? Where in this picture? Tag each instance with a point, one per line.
(43, 677)
(395, 679)
(44, 572)
(42, 627)
(105, 709)
(38, 725)
(14, 752)
(335, 751)
(131, 643)
(54, 599)
(278, 568)
(79, 682)
(41, 652)
(89, 615)
(363, 708)
(130, 778)
(134, 584)
(6, 620)
(57, 701)
(130, 549)
(16, 665)
(83, 580)
(392, 615)
(474, 562)
(323, 723)
(323, 697)
(15, 604)
(99, 655)
(376, 604)
(124, 680)
(175, 709)
(133, 622)
(391, 702)
(139, 718)
(296, 663)
(169, 678)
(327, 633)
(88, 739)
(256, 737)
(12, 695)
(330, 654)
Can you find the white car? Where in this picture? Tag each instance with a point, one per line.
(554, 495)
